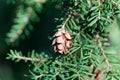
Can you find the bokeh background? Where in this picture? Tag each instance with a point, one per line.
(38, 40)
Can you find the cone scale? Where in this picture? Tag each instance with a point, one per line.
(61, 41)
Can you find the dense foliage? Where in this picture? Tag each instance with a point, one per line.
(90, 54)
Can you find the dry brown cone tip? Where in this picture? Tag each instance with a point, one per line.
(61, 41)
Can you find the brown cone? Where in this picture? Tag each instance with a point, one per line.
(61, 41)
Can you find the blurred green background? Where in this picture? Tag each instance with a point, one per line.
(38, 40)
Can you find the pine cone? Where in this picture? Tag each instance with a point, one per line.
(61, 41)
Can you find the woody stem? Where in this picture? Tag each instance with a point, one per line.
(66, 20)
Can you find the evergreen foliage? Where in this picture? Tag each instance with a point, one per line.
(87, 22)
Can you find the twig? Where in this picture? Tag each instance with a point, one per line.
(56, 74)
(89, 2)
(37, 77)
(115, 3)
(99, 9)
(102, 50)
(66, 20)
(41, 1)
(30, 59)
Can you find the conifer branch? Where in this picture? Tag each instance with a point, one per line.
(102, 50)
(29, 59)
(81, 21)
(21, 23)
(26, 20)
